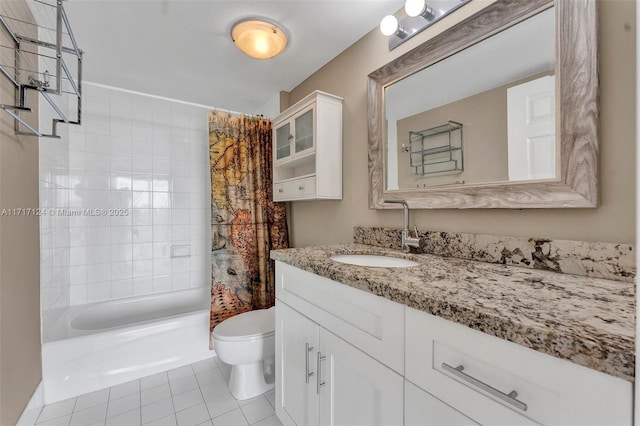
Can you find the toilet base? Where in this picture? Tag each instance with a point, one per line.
(248, 380)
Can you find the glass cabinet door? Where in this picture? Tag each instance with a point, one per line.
(304, 131)
(283, 141)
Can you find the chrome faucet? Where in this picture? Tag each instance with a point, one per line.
(407, 240)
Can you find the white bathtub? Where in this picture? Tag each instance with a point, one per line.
(98, 345)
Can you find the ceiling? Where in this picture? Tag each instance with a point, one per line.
(182, 49)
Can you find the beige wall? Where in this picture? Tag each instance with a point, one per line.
(325, 222)
(20, 362)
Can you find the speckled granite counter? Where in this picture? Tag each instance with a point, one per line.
(588, 321)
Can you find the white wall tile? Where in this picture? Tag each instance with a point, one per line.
(142, 285)
(98, 291)
(121, 235)
(142, 145)
(161, 166)
(143, 165)
(142, 217)
(161, 282)
(98, 254)
(142, 251)
(161, 217)
(142, 268)
(98, 272)
(121, 252)
(121, 181)
(121, 270)
(142, 234)
(147, 157)
(120, 129)
(121, 288)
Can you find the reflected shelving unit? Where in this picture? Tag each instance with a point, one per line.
(438, 150)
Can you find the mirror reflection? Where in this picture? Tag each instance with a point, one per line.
(485, 114)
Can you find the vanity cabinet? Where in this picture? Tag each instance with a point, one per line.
(307, 149)
(324, 374)
(496, 382)
(327, 381)
(423, 409)
(348, 357)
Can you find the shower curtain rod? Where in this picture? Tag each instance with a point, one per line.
(134, 92)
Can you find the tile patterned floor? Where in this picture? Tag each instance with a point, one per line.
(192, 395)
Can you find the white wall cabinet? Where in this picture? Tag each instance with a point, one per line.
(307, 149)
(348, 357)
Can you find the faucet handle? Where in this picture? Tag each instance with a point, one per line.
(415, 229)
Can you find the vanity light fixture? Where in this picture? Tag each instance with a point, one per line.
(415, 8)
(259, 38)
(390, 26)
(419, 16)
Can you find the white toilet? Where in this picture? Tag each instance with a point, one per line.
(247, 343)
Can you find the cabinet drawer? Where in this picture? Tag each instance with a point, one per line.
(371, 323)
(423, 409)
(295, 189)
(497, 382)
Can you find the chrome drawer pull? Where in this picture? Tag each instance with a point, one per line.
(308, 350)
(509, 398)
(319, 381)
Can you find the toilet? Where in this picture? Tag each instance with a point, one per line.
(247, 342)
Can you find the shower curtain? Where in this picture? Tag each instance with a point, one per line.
(245, 223)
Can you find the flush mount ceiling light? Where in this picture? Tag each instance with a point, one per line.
(419, 16)
(259, 37)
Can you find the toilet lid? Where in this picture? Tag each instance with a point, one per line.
(247, 325)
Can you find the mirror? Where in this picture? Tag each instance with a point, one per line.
(499, 111)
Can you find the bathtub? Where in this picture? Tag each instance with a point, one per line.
(99, 345)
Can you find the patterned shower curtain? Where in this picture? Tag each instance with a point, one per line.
(245, 223)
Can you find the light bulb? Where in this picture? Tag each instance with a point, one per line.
(415, 7)
(389, 25)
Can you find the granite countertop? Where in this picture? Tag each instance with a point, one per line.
(588, 321)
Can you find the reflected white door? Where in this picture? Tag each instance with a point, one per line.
(531, 129)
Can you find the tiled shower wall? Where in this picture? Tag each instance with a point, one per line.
(54, 198)
(138, 191)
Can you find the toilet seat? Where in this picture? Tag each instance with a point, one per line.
(247, 326)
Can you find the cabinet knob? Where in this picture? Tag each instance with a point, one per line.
(301, 187)
(280, 190)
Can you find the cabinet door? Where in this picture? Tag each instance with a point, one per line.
(296, 348)
(304, 134)
(354, 388)
(423, 409)
(283, 138)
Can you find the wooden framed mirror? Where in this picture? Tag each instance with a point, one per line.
(570, 177)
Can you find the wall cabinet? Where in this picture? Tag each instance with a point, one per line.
(307, 149)
(348, 357)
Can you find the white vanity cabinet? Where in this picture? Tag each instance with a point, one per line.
(496, 382)
(324, 375)
(423, 409)
(307, 149)
(348, 357)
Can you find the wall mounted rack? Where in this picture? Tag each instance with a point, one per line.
(42, 57)
(438, 150)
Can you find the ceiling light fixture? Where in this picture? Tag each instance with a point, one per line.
(259, 38)
(419, 16)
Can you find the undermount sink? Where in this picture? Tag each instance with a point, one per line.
(374, 260)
